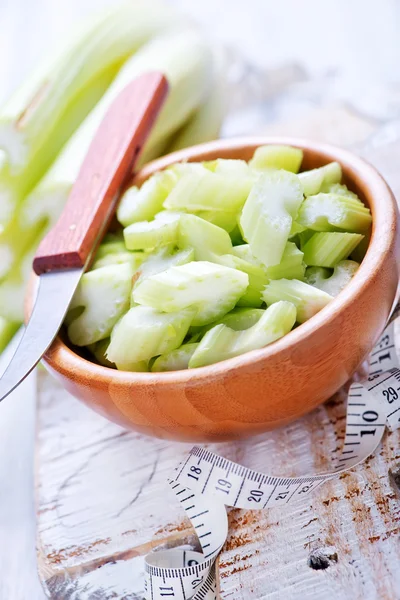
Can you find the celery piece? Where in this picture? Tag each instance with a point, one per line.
(296, 229)
(212, 289)
(237, 319)
(331, 212)
(304, 236)
(338, 188)
(267, 215)
(163, 259)
(222, 342)
(143, 204)
(236, 235)
(332, 283)
(307, 299)
(360, 251)
(209, 191)
(146, 235)
(99, 349)
(144, 332)
(31, 120)
(134, 259)
(244, 252)
(327, 249)
(7, 331)
(225, 220)
(232, 167)
(277, 157)
(175, 360)
(291, 266)
(257, 278)
(313, 181)
(205, 238)
(104, 296)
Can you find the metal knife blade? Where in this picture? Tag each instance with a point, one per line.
(66, 250)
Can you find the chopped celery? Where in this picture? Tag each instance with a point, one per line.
(313, 181)
(144, 332)
(238, 319)
(332, 284)
(163, 259)
(296, 229)
(307, 299)
(330, 212)
(205, 238)
(209, 191)
(134, 259)
(236, 235)
(244, 252)
(103, 295)
(222, 342)
(304, 236)
(267, 215)
(277, 157)
(230, 167)
(146, 235)
(175, 360)
(143, 204)
(291, 266)
(212, 289)
(338, 188)
(225, 220)
(99, 349)
(360, 251)
(257, 278)
(7, 331)
(327, 249)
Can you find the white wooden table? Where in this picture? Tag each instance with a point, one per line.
(319, 36)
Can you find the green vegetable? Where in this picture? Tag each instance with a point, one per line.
(331, 212)
(144, 332)
(7, 331)
(332, 283)
(291, 266)
(209, 191)
(206, 239)
(146, 235)
(212, 289)
(175, 360)
(267, 215)
(161, 260)
(222, 342)
(307, 299)
(316, 180)
(103, 295)
(135, 259)
(99, 350)
(257, 278)
(277, 157)
(327, 249)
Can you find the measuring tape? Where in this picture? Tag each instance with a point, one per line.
(205, 483)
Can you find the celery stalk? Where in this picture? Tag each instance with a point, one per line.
(257, 278)
(103, 297)
(307, 299)
(31, 120)
(206, 239)
(212, 289)
(143, 333)
(185, 59)
(332, 283)
(291, 266)
(327, 249)
(7, 332)
(146, 235)
(313, 181)
(267, 215)
(175, 360)
(331, 212)
(221, 342)
(277, 157)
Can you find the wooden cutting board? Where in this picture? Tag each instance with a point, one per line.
(103, 501)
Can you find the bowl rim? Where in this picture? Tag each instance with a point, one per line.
(61, 358)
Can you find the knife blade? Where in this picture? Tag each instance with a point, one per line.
(65, 252)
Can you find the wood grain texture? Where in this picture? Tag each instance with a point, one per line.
(109, 162)
(103, 503)
(250, 394)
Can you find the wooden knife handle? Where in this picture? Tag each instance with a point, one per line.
(108, 163)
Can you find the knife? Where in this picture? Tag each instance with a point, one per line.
(65, 252)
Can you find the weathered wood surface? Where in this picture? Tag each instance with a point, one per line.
(103, 503)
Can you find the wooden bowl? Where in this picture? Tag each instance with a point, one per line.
(265, 388)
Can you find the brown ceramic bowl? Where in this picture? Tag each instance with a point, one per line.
(264, 388)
